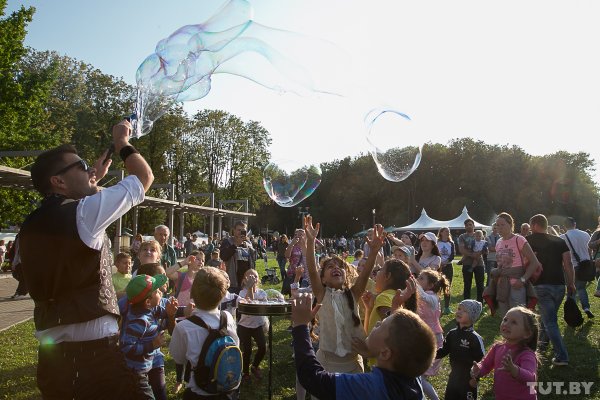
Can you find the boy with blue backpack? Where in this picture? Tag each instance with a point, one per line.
(208, 340)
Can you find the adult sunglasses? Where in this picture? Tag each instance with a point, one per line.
(79, 163)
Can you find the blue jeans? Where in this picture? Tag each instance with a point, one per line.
(550, 298)
(582, 294)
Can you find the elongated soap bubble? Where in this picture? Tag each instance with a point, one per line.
(230, 42)
(394, 144)
(289, 182)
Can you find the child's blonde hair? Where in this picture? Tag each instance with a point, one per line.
(530, 321)
(151, 243)
(437, 280)
(122, 256)
(209, 288)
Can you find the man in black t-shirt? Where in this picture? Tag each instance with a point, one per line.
(555, 257)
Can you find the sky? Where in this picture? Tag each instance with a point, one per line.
(504, 72)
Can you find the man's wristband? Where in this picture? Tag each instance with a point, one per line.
(294, 285)
(180, 266)
(127, 151)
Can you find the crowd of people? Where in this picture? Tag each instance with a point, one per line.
(367, 329)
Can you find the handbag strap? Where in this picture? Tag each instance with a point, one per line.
(573, 249)
(519, 250)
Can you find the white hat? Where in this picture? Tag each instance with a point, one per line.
(429, 236)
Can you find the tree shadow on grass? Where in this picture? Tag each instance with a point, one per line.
(19, 383)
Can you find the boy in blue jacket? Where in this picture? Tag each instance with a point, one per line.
(402, 343)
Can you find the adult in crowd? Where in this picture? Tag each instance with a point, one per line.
(553, 253)
(238, 254)
(295, 254)
(491, 239)
(135, 245)
(525, 229)
(518, 260)
(594, 245)
(188, 246)
(161, 235)
(282, 245)
(428, 256)
(447, 251)
(76, 313)
(472, 262)
(578, 241)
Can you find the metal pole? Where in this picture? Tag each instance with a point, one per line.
(270, 356)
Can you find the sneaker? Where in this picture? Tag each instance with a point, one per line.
(256, 372)
(559, 363)
(447, 311)
(24, 296)
(588, 313)
(597, 293)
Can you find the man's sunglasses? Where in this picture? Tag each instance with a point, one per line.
(79, 163)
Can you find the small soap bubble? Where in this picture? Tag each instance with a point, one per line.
(394, 144)
(288, 182)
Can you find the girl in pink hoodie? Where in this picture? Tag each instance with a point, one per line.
(513, 360)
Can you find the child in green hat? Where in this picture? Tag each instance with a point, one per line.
(142, 336)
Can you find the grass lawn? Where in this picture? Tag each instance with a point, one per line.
(18, 349)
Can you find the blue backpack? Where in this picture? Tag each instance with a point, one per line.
(219, 367)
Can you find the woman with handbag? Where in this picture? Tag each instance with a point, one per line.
(516, 255)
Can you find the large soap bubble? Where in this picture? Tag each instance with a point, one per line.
(394, 143)
(288, 182)
(230, 42)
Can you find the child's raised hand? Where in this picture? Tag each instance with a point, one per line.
(171, 307)
(402, 295)
(378, 238)
(190, 260)
(368, 299)
(311, 231)
(508, 365)
(188, 309)
(250, 281)
(302, 309)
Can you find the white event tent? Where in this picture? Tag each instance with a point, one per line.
(425, 223)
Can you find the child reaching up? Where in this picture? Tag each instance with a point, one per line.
(252, 327)
(392, 276)
(431, 284)
(464, 346)
(338, 316)
(513, 359)
(403, 345)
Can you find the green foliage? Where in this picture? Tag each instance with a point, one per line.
(486, 178)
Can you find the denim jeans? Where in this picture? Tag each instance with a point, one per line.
(582, 294)
(550, 298)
